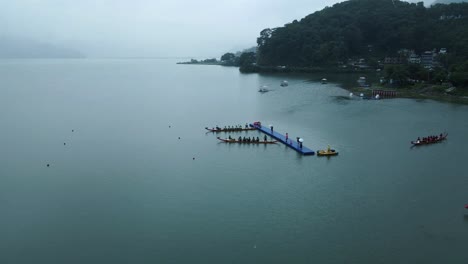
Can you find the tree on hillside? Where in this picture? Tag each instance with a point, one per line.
(459, 74)
(396, 74)
(228, 56)
(246, 61)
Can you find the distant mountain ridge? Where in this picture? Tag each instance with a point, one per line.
(11, 48)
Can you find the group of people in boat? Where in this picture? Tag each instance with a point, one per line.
(237, 127)
(248, 139)
(429, 139)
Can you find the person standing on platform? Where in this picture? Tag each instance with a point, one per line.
(265, 138)
(286, 137)
(271, 127)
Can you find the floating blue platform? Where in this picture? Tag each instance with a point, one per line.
(291, 142)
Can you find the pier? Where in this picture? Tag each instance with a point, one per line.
(292, 143)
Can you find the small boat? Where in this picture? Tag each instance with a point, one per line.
(216, 130)
(263, 89)
(284, 83)
(466, 206)
(431, 140)
(324, 81)
(233, 140)
(327, 152)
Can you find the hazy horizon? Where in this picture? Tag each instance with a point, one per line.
(144, 28)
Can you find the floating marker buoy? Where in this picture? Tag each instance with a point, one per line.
(194, 158)
(73, 130)
(48, 165)
(64, 143)
(179, 137)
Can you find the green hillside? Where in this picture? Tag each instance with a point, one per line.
(365, 29)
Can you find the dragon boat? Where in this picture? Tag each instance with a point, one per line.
(217, 130)
(436, 139)
(227, 140)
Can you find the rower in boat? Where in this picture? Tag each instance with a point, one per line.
(247, 141)
(429, 139)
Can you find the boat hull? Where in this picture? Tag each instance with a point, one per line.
(229, 129)
(421, 143)
(226, 140)
(332, 152)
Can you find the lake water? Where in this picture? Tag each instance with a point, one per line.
(125, 189)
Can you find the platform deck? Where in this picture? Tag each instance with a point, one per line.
(291, 142)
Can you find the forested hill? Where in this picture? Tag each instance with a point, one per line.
(367, 29)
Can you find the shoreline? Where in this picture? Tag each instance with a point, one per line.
(422, 91)
(411, 93)
(200, 63)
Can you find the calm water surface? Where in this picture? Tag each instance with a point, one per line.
(126, 189)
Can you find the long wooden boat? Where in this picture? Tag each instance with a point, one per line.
(330, 152)
(427, 142)
(229, 129)
(227, 140)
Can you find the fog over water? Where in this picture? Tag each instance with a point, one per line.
(145, 28)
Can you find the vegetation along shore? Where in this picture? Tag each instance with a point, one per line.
(422, 52)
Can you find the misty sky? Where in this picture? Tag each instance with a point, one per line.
(161, 28)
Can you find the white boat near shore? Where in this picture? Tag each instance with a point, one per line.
(263, 89)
